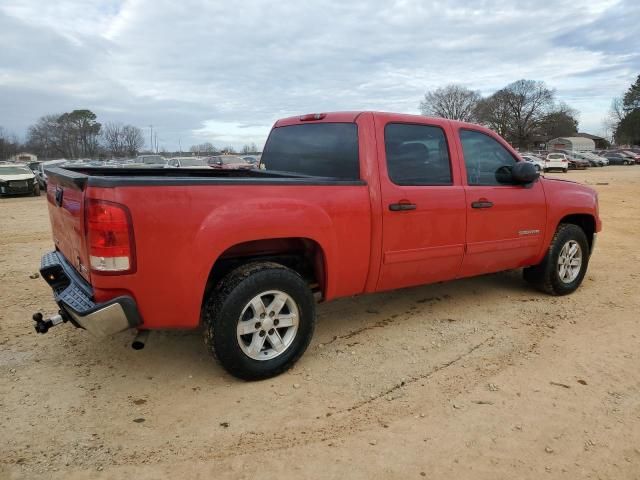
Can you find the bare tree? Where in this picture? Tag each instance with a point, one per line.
(45, 138)
(229, 149)
(122, 140)
(206, 147)
(452, 101)
(133, 139)
(113, 140)
(249, 148)
(494, 112)
(9, 144)
(518, 110)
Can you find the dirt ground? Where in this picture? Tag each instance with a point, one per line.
(481, 378)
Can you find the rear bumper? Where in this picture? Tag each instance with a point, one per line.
(74, 296)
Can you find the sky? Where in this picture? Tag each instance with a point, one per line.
(223, 72)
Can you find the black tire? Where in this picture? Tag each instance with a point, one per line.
(565, 170)
(226, 303)
(36, 190)
(545, 276)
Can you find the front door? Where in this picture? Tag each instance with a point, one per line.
(423, 204)
(505, 222)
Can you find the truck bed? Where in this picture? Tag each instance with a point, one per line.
(114, 177)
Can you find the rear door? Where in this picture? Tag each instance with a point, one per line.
(505, 222)
(423, 203)
(65, 201)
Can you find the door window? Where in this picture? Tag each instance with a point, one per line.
(417, 154)
(486, 160)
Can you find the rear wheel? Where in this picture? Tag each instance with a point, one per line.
(565, 170)
(564, 266)
(36, 190)
(259, 320)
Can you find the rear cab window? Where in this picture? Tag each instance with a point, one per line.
(316, 149)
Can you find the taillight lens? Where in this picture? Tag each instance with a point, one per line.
(110, 237)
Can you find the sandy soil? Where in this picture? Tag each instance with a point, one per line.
(480, 378)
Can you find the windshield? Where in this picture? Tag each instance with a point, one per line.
(14, 170)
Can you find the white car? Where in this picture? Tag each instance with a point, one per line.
(187, 162)
(556, 161)
(42, 176)
(536, 161)
(18, 179)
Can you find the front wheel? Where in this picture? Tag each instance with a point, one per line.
(565, 170)
(259, 320)
(36, 190)
(564, 266)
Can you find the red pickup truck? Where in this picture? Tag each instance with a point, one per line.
(343, 204)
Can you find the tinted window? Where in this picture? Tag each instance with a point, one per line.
(417, 155)
(487, 161)
(320, 149)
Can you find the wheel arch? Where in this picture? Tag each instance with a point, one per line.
(585, 221)
(306, 256)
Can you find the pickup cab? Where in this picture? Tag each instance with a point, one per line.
(343, 204)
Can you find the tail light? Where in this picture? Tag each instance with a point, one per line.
(312, 116)
(110, 237)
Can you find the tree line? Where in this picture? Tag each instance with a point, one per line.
(78, 134)
(524, 112)
(624, 118)
(73, 135)
(208, 148)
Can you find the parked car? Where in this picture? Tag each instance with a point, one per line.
(41, 174)
(592, 160)
(348, 203)
(34, 166)
(18, 179)
(575, 162)
(618, 159)
(252, 159)
(536, 161)
(229, 162)
(631, 154)
(151, 160)
(187, 162)
(556, 161)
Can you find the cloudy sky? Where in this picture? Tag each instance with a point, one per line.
(223, 71)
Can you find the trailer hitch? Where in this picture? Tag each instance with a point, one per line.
(43, 326)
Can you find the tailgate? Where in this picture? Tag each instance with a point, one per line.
(65, 200)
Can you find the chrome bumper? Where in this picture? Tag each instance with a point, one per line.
(74, 296)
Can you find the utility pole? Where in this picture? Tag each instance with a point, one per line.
(156, 142)
(151, 138)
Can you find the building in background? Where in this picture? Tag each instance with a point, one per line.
(574, 144)
(24, 157)
(601, 143)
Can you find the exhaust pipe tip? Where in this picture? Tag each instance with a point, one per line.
(140, 340)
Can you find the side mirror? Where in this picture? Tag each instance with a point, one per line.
(524, 172)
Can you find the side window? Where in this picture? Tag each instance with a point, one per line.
(417, 154)
(487, 161)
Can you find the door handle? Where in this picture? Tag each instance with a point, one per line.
(482, 204)
(398, 207)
